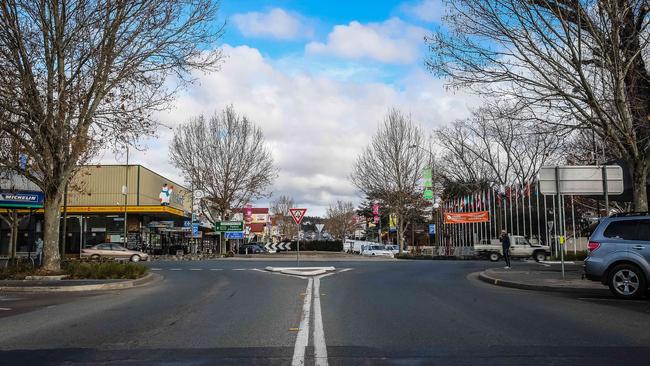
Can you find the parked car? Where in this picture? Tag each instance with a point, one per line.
(520, 247)
(377, 250)
(113, 250)
(251, 249)
(393, 248)
(619, 254)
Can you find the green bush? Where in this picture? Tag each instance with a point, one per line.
(569, 256)
(319, 245)
(104, 270)
(16, 271)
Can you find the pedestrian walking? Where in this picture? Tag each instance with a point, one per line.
(39, 251)
(505, 246)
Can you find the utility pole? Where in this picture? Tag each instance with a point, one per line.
(125, 192)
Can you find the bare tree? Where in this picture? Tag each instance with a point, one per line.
(571, 64)
(390, 167)
(280, 210)
(338, 219)
(78, 73)
(225, 157)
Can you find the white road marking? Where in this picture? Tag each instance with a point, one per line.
(239, 269)
(320, 347)
(258, 270)
(346, 269)
(5, 309)
(175, 269)
(216, 269)
(302, 339)
(196, 269)
(156, 269)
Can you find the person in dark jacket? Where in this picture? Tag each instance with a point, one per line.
(505, 245)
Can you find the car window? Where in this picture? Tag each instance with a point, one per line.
(625, 230)
(643, 230)
(117, 247)
(104, 247)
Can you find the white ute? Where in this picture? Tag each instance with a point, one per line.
(520, 247)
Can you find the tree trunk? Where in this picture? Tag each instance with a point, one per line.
(51, 254)
(400, 233)
(639, 178)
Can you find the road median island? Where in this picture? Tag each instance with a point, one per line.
(542, 280)
(76, 285)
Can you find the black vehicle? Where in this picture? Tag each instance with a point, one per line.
(251, 248)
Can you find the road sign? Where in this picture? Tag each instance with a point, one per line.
(297, 214)
(432, 229)
(195, 229)
(234, 235)
(428, 194)
(228, 226)
(278, 246)
(320, 227)
(583, 180)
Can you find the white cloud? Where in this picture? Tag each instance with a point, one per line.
(426, 10)
(316, 125)
(276, 23)
(392, 41)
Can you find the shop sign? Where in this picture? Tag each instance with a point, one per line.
(21, 199)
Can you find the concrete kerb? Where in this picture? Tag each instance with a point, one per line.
(146, 280)
(301, 271)
(526, 286)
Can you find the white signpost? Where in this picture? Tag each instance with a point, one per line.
(319, 227)
(582, 180)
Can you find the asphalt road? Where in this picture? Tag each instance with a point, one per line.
(368, 312)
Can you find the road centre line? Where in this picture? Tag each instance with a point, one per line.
(196, 269)
(156, 269)
(320, 347)
(302, 339)
(5, 309)
(175, 269)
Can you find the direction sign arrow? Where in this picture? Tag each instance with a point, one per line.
(297, 214)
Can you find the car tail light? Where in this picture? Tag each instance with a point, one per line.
(593, 246)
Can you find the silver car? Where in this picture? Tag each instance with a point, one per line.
(619, 254)
(113, 250)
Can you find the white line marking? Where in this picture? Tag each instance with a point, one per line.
(196, 269)
(156, 269)
(5, 309)
(175, 269)
(258, 270)
(216, 269)
(346, 269)
(320, 347)
(302, 339)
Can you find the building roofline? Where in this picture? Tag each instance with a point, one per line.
(134, 165)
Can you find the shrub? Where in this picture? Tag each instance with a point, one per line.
(104, 270)
(319, 245)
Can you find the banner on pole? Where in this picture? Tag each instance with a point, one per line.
(466, 217)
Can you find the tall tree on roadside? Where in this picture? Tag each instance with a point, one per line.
(280, 210)
(225, 157)
(577, 64)
(338, 219)
(78, 74)
(391, 166)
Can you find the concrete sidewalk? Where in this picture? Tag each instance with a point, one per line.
(544, 279)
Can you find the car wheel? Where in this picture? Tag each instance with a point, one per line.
(539, 256)
(627, 281)
(95, 257)
(135, 258)
(494, 257)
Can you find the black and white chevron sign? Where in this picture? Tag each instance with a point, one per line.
(278, 246)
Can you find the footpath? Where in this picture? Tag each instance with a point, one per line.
(544, 277)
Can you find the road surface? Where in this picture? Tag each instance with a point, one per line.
(367, 312)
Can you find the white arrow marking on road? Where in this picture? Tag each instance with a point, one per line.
(302, 339)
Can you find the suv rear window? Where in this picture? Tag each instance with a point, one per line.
(628, 230)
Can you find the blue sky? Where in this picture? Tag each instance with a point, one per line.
(317, 77)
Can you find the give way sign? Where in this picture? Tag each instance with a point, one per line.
(297, 214)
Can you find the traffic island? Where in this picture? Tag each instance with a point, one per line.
(75, 285)
(543, 280)
(301, 271)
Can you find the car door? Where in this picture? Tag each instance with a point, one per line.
(104, 250)
(119, 251)
(641, 246)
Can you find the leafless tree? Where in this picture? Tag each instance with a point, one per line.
(76, 74)
(280, 210)
(226, 158)
(390, 168)
(571, 64)
(495, 148)
(339, 219)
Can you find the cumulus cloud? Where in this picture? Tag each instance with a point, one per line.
(426, 10)
(316, 125)
(276, 23)
(392, 41)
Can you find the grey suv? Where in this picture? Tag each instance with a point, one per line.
(619, 254)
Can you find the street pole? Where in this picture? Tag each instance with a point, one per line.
(559, 198)
(298, 247)
(605, 190)
(126, 196)
(573, 223)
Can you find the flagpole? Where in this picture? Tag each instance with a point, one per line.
(523, 208)
(512, 227)
(573, 224)
(539, 229)
(530, 212)
(546, 228)
(517, 207)
(556, 223)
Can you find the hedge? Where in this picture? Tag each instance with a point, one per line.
(319, 245)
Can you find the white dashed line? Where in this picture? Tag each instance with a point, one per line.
(175, 269)
(239, 269)
(216, 269)
(5, 309)
(196, 269)
(156, 269)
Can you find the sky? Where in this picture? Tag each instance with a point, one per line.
(318, 78)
